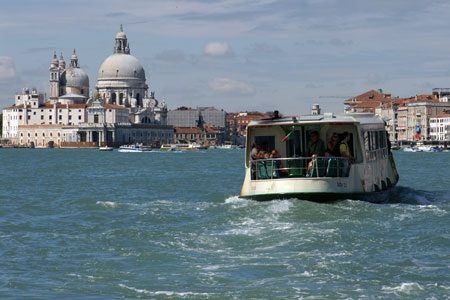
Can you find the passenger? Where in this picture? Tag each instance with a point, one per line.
(255, 149)
(260, 154)
(333, 145)
(315, 145)
(275, 155)
(344, 149)
(310, 164)
(266, 155)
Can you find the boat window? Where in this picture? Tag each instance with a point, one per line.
(267, 142)
(375, 144)
(294, 143)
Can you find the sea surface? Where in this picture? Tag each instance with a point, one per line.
(85, 224)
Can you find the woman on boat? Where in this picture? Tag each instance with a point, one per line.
(333, 145)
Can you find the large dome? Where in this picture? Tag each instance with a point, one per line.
(75, 77)
(121, 66)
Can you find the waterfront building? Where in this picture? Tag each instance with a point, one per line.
(207, 136)
(440, 127)
(414, 119)
(121, 112)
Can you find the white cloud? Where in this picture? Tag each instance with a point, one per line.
(218, 49)
(7, 69)
(228, 85)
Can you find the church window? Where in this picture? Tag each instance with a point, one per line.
(113, 98)
(79, 117)
(29, 117)
(49, 117)
(43, 134)
(34, 113)
(70, 117)
(121, 98)
(20, 117)
(95, 118)
(42, 117)
(60, 117)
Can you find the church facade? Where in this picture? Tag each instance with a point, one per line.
(120, 112)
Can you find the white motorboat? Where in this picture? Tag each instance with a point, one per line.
(106, 148)
(411, 149)
(134, 148)
(296, 174)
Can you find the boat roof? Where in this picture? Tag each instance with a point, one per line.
(362, 118)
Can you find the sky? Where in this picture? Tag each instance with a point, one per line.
(237, 55)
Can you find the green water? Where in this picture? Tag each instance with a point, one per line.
(84, 224)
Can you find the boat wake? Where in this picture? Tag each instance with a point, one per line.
(397, 195)
(407, 195)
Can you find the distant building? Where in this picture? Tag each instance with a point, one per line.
(202, 116)
(207, 136)
(244, 118)
(414, 120)
(121, 112)
(440, 127)
(315, 110)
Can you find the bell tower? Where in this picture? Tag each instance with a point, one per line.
(54, 77)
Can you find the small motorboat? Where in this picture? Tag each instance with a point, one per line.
(412, 149)
(106, 148)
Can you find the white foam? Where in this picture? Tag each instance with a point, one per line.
(235, 199)
(109, 204)
(404, 288)
(280, 206)
(306, 274)
(165, 293)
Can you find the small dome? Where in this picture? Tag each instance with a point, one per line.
(121, 66)
(121, 35)
(75, 77)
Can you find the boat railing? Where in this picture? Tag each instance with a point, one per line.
(299, 167)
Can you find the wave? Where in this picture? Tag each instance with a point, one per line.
(164, 293)
(108, 204)
(407, 288)
(407, 195)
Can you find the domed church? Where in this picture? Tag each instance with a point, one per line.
(121, 81)
(121, 112)
(68, 86)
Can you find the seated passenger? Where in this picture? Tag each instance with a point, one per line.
(260, 154)
(344, 149)
(315, 145)
(310, 165)
(275, 155)
(333, 145)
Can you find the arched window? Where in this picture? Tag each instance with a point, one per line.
(113, 98)
(145, 120)
(121, 99)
